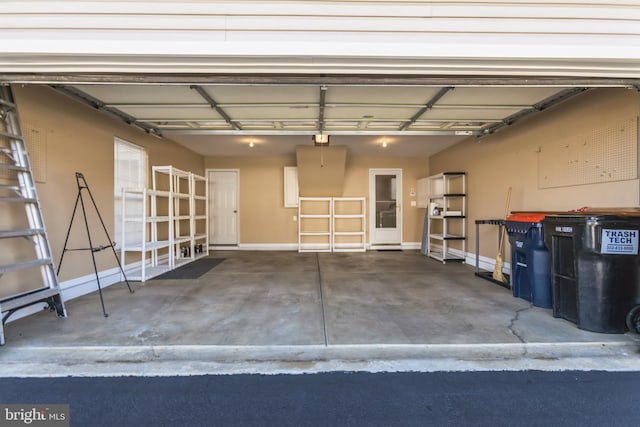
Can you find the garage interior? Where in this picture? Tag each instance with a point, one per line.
(559, 142)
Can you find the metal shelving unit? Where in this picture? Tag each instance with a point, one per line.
(447, 216)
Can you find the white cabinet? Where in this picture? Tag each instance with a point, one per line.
(290, 187)
(447, 216)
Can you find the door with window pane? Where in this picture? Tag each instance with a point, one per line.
(385, 195)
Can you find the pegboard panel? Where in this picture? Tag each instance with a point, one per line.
(602, 155)
(36, 141)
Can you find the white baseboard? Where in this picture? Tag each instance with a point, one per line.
(79, 286)
(74, 288)
(484, 263)
(310, 246)
(411, 246)
(487, 264)
(268, 247)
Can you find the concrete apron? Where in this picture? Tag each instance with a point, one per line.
(276, 313)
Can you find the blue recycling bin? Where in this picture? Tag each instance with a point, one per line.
(530, 259)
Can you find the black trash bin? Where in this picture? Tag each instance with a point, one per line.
(530, 259)
(595, 269)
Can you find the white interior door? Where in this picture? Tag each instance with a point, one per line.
(223, 207)
(385, 209)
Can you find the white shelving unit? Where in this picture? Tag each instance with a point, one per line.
(177, 183)
(447, 216)
(349, 224)
(315, 224)
(188, 194)
(173, 222)
(199, 201)
(332, 224)
(154, 230)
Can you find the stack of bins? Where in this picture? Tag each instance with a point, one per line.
(595, 269)
(530, 259)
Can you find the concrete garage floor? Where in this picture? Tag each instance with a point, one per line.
(313, 308)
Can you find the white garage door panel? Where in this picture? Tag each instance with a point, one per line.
(142, 95)
(497, 95)
(171, 113)
(556, 37)
(234, 94)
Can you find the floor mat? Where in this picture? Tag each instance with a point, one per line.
(192, 270)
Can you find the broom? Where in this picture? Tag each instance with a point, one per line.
(497, 270)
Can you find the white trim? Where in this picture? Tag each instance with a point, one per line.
(268, 247)
(406, 246)
(237, 171)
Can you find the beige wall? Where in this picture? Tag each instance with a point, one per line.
(80, 139)
(263, 217)
(510, 158)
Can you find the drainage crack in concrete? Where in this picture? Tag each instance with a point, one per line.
(324, 315)
(512, 325)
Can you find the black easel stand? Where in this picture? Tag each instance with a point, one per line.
(82, 185)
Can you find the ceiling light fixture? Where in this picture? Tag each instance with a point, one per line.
(321, 139)
(251, 144)
(384, 144)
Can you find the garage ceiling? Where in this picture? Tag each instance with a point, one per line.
(223, 119)
(197, 71)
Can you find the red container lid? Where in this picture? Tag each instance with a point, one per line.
(527, 217)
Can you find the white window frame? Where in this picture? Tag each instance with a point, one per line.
(118, 178)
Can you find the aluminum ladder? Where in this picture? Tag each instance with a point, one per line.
(17, 186)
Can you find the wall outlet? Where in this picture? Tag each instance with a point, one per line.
(414, 203)
(295, 218)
